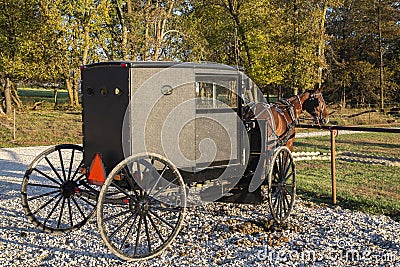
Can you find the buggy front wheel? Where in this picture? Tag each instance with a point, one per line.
(141, 206)
(281, 184)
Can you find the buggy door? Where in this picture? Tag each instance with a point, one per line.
(217, 137)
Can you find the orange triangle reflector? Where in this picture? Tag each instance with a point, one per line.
(97, 174)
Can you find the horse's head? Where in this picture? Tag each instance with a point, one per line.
(315, 105)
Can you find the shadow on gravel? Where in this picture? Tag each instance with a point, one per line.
(12, 169)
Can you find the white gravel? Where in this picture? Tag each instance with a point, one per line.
(213, 235)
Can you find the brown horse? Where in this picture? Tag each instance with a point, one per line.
(286, 114)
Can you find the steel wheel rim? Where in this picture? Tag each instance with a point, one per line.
(137, 225)
(55, 194)
(281, 184)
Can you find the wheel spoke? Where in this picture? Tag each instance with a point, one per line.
(47, 203)
(129, 232)
(46, 176)
(276, 206)
(158, 179)
(43, 195)
(280, 206)
(287, 200)
(116, 215)
(284, 203)
(70, 164)
(177, 209)
(52, 210)
(165, 187)
(54, 169)
(87, 201)
(147, 233)
(287, 177)
(44, 185)
(162, 219)
(288, 167)
(124, 192)
(79, 177)
(122, 225)
(140, 178)
(155, 228)
(62, 164)
(61, 213)
(79, 209)
(138, 235)
(131, 183)
(70, 212)
(77, 170)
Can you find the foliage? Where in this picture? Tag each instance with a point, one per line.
(284, 46)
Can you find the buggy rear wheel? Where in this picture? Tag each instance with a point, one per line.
(55, 194)
(141, 206)
(281, 184)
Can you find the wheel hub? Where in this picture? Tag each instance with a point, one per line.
(69, 188)
(143, 206)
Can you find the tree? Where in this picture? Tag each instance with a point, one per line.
(142, 30)
(73, 36)
(356, 48)
(18, 27)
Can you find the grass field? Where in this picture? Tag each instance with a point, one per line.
(367, 187)
(31, 95)
(371, 188)
(46, 125)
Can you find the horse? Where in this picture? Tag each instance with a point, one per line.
(286, 113)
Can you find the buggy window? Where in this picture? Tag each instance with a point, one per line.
(216, 94)
(251, 91)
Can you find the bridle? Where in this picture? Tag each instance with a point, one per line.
(314, 99)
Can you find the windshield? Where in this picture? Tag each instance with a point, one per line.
(251, 92)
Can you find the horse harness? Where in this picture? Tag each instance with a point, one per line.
(286, 105)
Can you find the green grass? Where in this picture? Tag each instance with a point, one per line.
(384, 144)
(31, 95)
(370, 188)
(360, 116)
(42, 127)
(46, 125)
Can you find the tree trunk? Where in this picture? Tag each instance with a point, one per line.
(381, 56)
(234, 12)
(321, 45)
(85, 45)
(14, 95)
(76, 88)
(55, 97)
(68, 85)
(7, 95)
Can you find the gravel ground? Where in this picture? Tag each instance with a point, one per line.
(213, 235)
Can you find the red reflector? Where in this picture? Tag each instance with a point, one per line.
(124, 65)
(97, 174)
(126, 200)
